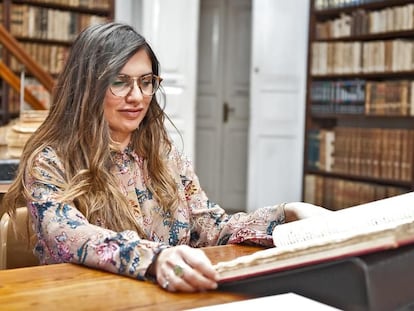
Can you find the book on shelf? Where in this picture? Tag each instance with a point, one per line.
(361, 57)
(358, 230)
(338, 96)
(313, 148)
(390, 98)
(373, 152)
(338, 193)
(321, 149)
(38, 22)
(360, 22)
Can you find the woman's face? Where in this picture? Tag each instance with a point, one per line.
(125, 113)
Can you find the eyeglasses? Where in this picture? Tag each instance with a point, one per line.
(123, 84)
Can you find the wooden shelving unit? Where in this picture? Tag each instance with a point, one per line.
(359, 133)
(45, 29)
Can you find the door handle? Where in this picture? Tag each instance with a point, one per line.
(227, 109)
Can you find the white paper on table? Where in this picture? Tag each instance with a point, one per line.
(288, 301)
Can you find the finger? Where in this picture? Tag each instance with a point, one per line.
(165, 283)
(169, 281)
(199, 261)
(182, 285)
(173, 283)
(205, 268)
(187, 269)
(186, 276)
(189, 284)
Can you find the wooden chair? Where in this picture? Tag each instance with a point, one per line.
(14, 248)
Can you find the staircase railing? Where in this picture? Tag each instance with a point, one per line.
(14, 47)
(10, 78)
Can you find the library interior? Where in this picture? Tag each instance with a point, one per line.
(307, 101)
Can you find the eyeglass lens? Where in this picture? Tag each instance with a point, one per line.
(148, 84)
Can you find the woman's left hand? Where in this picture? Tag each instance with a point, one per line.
(185, 269)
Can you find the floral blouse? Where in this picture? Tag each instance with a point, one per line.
(65, 235)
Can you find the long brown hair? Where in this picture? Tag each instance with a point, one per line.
(76, 129)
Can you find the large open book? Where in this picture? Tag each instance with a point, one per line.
(358, 230)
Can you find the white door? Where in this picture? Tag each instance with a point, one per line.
(277, 96)
(171, 28)
(278, 78)
(223, 100)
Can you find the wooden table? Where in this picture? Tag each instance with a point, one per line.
(73, 287)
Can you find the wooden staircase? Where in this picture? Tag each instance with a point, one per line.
(13, 46)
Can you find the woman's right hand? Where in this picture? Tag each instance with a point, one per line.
(300, 210)
(186, 269)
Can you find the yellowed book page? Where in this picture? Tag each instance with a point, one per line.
(365, 228)
(294, 256)
(358, 220)
(362, 229)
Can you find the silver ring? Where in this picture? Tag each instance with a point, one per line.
(165, 285)
(178, 271)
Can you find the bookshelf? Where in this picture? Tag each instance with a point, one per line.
(359, 133)
(45, 29)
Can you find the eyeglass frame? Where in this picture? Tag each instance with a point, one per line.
(138, 80)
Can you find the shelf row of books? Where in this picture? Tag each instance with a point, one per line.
(361, 22)
(90, 4)
(335, 193)
(362, 57)
(389, 98)
(335, 4)
(44, 23)
(356, 96)
(385, 154)
(338, 96)
(51, 57)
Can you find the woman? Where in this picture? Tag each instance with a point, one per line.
(105, 186)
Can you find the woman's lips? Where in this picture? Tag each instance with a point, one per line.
(131, 113)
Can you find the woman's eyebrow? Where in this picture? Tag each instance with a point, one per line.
(126, 75)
